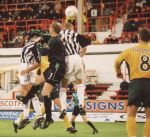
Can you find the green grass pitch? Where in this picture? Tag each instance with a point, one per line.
(57, 129)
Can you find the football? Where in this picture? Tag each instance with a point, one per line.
(71, 11)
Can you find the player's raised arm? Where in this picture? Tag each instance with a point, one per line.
(83, 41)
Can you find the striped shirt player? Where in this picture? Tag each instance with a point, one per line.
(73, 42)
(75, 45)
(29, 56)
(70, 41)
(27, 75)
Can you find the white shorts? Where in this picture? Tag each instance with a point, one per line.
(27, 78)
(75, 67)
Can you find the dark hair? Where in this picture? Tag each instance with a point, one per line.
(56, 27)
(33, 33)
(144, 35)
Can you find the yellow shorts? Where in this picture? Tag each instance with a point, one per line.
(44, 63)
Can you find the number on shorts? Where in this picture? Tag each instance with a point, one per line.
(145, 63)
(50, 76)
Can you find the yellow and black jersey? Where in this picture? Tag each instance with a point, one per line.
(138, 61)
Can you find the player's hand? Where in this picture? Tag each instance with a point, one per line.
(119, 75)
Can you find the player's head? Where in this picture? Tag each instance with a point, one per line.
(55, 28)
(34, 35)
(144, 35)
(69, 26)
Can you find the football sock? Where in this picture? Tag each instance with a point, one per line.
(131, 126)
(63, 98)
(73, 124)
(47, 104)
(80, 93)
(91, 125)
(19, 119)
(36, 105)
(147, 128)
(42, 109)
(26, 109)
(66, 122)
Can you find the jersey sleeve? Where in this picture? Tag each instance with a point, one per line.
(83, 41)
(122, 57)
(36, 55)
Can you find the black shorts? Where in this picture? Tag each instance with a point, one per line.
(76, 111)
(139, 92)
(54, 95)
(54, 73)
(55, 92)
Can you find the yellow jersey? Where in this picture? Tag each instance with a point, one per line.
(44, 63)
(137, 59)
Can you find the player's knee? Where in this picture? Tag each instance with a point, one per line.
(132, 110)
(63, 89)
(45, 93)
(78, 81)
(64, 83)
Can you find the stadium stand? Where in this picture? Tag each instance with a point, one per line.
(24, 15)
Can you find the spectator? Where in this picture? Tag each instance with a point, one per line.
(125, 40)
(57, 15)
(2, 14)
(44, 6)
(135, 25)
(109, 39)
(147, 9)
(57, 12)
(124, 86)
(127, 26)
(44, 15)
(10, 16)
(5, 36)
(30, 13)
(119, 40)
(5, 39)
(39, 14)
(114, 40)
(134, 38)
(58, 6)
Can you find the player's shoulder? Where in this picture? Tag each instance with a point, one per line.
(139, 46)
(131, 48)
(59, 40)
(55, 40)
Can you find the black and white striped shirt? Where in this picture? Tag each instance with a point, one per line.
(70, 41)
(73, 41)
(30, 53)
